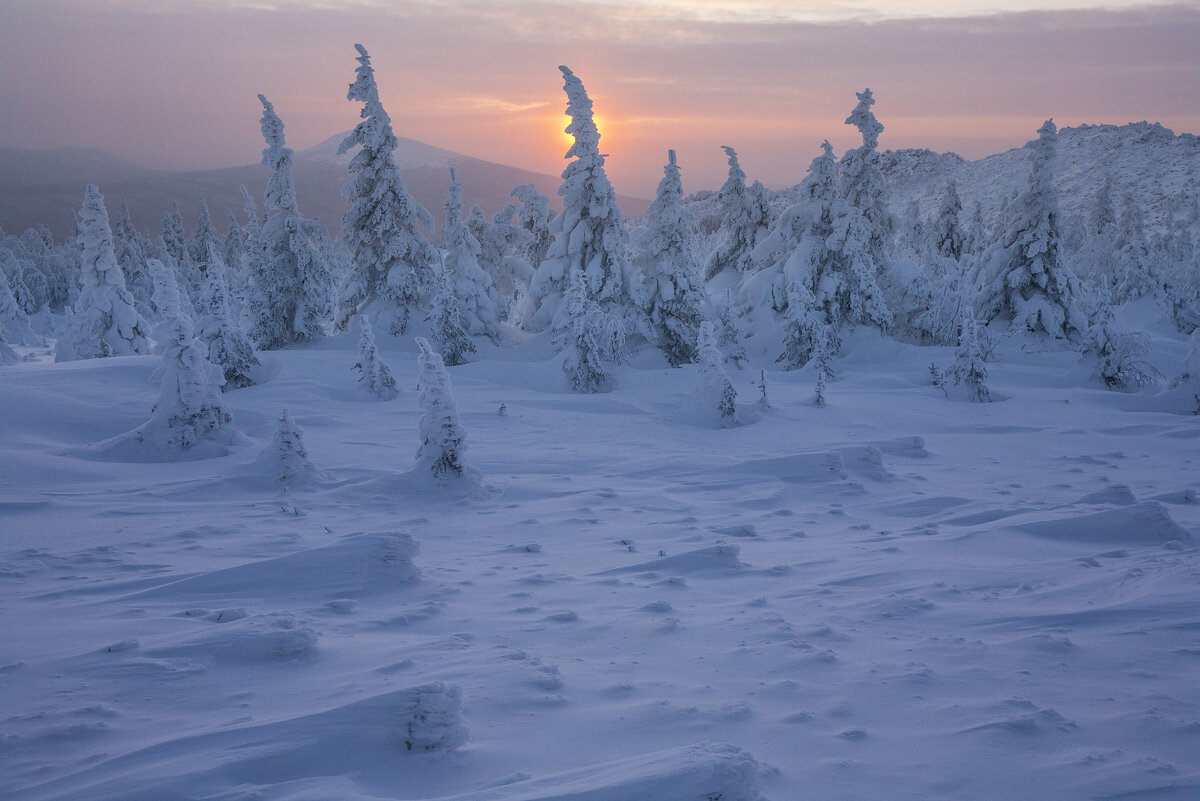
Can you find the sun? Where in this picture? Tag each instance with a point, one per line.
(566, 140)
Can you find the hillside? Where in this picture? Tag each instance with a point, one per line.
(45, 186)
(1160, 169)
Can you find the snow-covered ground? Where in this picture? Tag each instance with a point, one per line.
(896, 596)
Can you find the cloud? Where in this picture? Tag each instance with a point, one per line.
(177, 87)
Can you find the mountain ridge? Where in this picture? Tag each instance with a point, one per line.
(45, 186)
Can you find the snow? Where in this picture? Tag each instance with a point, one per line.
(895, 596)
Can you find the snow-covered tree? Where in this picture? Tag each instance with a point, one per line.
(729, 329)
(7, 354)
(940, 299)
(286, 456)
(442, 436)
(862, 179)
(130, 247)
(534, 215)
(747, 221)
(290, 292)
(175, 242)
(969, 368)
(714, 399)
(823, 348)
(820, 265)
(25, 281)
(676, 295)
(190, 409)
(373, 373)
(14, 322)
(474, 294)
(946, 234)
(448, 332)
(105, 322)
(203, 237)
(503, 245)
(590, 236)
(391, 261)
(1137, 270)
(1120, 356)
(228, 345)
(591, 340)
(1023, 277)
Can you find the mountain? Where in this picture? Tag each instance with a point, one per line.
(43, 186)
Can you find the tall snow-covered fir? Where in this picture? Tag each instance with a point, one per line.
(373, 373)
(747, 219)
(442, 438)
(676, 295)
(473, 290)
(392, 264)
(290, 291)
(190, 409)
(862, 180)
(104, 322)
(1022, 276)
(591, 239)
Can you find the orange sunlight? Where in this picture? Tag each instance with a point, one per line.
(564, 140)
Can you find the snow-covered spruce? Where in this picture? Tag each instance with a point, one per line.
(969, 368)
(474, 293)
(442, 438)
(105, 322)
(392, 263)
(502, 254)
(862, 181)
(728, 323)
(132, 249)
(447, 329)
(178, 255)
(534, 215)
(746, 221)
(373, 373)
(714, 399)
(290, 283)
(946, 234)
(229, 347)
(818, 269)
(675, 294)
(591, 340)
(1022, 276)
(821, 359)
(7, 354)
(14, 322)
(286, 458)
(591, 240)
(190, 410)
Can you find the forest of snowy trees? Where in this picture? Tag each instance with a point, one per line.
(714, 278)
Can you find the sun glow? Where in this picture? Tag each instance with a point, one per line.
(566, 140)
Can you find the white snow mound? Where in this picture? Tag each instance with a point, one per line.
(1139, 523)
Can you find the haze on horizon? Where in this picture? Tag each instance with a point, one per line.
(173, 85)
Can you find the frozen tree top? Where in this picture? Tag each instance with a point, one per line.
(579, 108)
(864, 119)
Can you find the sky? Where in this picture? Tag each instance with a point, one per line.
(173, 83)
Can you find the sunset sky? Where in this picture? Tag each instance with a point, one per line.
(173, 84)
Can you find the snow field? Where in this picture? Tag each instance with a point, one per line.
(895, 596)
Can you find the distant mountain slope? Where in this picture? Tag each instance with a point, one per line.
(44, 186)
(1160, 170)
